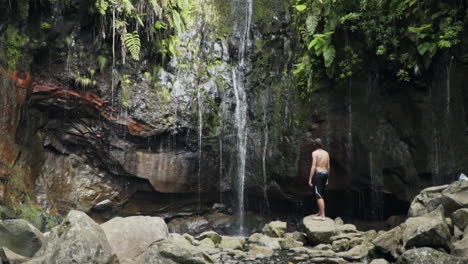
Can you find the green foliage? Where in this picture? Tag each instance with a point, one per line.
(36, 216)
(405, 34)
(101, 6)
(45, 25)
(132, 42)
(126, 91)
(102, 62)
(23, 9)
(13, 45)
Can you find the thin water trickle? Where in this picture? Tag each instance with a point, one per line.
(376, 184)
(449, 70)
(239, 85)
(264, 154)
(349, 146)
(200, 135)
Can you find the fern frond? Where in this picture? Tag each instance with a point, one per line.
(133, 44)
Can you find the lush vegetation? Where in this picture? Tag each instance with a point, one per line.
(157, 21)
(401, 36)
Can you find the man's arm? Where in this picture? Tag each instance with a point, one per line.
(312, 169)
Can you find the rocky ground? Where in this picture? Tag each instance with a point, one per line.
(435, 232)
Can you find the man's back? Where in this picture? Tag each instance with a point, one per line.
(322, 160)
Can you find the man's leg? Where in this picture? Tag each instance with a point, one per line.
(321, 207)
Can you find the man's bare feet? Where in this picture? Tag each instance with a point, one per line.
(316, 217)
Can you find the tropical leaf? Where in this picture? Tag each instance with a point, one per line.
(101, 6)
(300, 8)
(329, 55)
(311, 23)
(133, 44)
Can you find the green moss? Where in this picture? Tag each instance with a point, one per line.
(126, 92)
(35, 215)
(14, 42)
(265, 10)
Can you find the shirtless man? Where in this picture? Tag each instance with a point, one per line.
(318, 178)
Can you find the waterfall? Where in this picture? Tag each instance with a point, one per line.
(449, 70)
(265, 148)
(220, 159)
(239, 85)
(200, 134)
(349, 146)
(376, 184)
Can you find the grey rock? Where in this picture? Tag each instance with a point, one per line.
(129, 236)
(391, 241)
(211, 235)
(169, 251)
(452, 197)
(428, 230)
(298, 236)
(288, 243)
(427, 255)
(355, 253)
(232, 242)
(460, 218)
(11, 257)
(379, 261)
(20, 236)
(319, 231)
(78, 240)
(460, 247)
(206, 243)
(275, 229)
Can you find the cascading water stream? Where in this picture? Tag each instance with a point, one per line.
(200, 135)
(349, 146)
(264, 154)
(239, 85)
(376, 184)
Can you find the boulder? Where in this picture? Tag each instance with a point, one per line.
(129, 236)
(232, 242)
(179, 239)
(191, 239)
(390, 242)
(460, 247)
(333, 260)
(211, 235)
(78, 240)
(207, 243)
(11, 257)
(347, 228)
(355, 253)
(298, 236)
(460, 218)
(288, 243)
(427, 255)
(319, 232)
(266, 241)
(452, 197)
(430, 230)
(169, 251)
(340, 245)
(275, 229)
(20, 236)
(257, 251)
(379, 261)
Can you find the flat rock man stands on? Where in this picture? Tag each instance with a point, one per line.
(318, 178)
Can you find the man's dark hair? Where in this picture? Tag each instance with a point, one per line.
(318, 143)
